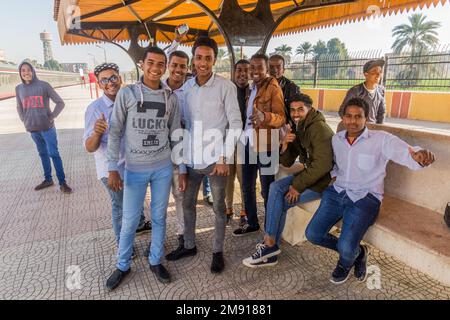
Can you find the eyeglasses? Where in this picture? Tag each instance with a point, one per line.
(112, 79)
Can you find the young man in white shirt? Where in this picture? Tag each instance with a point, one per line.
(95, 140)
(211, 111)
(360, 157)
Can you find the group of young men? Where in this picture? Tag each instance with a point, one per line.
(171, 134)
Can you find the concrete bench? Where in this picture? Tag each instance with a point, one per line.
(410, 226)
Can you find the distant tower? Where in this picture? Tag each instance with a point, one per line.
(46, 39)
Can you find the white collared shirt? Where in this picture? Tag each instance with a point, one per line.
(93, 113)
(210, 109)
(360, 168)
(248, 131)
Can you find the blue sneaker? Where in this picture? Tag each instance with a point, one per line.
(263, 252)
(269, 262)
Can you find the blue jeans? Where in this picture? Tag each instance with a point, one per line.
(134, 194)
(117, 209)
(356, 217)
(47, 146)
(277, 206)
(249, 175)
(206, 187)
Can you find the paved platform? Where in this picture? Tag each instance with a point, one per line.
(49, 240)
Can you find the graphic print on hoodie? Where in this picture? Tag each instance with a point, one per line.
(33, 103)
(148, 118)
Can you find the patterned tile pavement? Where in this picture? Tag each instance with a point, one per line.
(48, 240)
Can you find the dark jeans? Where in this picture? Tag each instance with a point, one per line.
(218, 185)
(47, 146)
(249, 174)
(356, 217)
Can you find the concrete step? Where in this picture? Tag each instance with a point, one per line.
(415, 235)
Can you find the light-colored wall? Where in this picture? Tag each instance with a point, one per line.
(428, 187)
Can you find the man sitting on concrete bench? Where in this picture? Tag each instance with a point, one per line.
(360, 156)
(311, 141)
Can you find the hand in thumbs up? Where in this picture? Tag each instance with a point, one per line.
(288, 138)
(100, 125)
(422, 157)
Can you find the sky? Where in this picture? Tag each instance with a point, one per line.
(25, 19)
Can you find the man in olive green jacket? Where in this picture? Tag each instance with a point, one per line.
(311, 142)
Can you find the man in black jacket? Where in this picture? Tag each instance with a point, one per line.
(289, 88)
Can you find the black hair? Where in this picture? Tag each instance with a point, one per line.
(358, 102)
(206, 42)
(301, 97)
(261, 56)
(277, 57)
(156, 50)
(179, 54)
(242, 61)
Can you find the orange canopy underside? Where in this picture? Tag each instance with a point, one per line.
(156, 11)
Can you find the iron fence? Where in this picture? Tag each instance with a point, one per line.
(405, 71)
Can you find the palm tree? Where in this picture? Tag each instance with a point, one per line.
(418, 36)
(285, 51)
(320, 49)
(222, 55)
(304, 49)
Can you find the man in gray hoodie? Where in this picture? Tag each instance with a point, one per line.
(145, 115)
(33, 97)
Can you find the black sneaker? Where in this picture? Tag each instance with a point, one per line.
(245, 230)
(181, 252)
(242, 221)
(340, 274)
(146, 227)
(116, 278)
(161, 273)
(44, 184)
(180, 240)
(217, 264)
(65, 188)
(361, 264)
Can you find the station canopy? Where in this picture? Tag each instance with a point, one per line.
(91, 21)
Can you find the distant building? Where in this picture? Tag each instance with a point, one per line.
(74, 67)
(2, 56)
(46, 39)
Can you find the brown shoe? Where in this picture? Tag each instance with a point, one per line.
(65, 188)
(44, 184)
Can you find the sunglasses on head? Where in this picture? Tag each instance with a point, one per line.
(112, 79)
